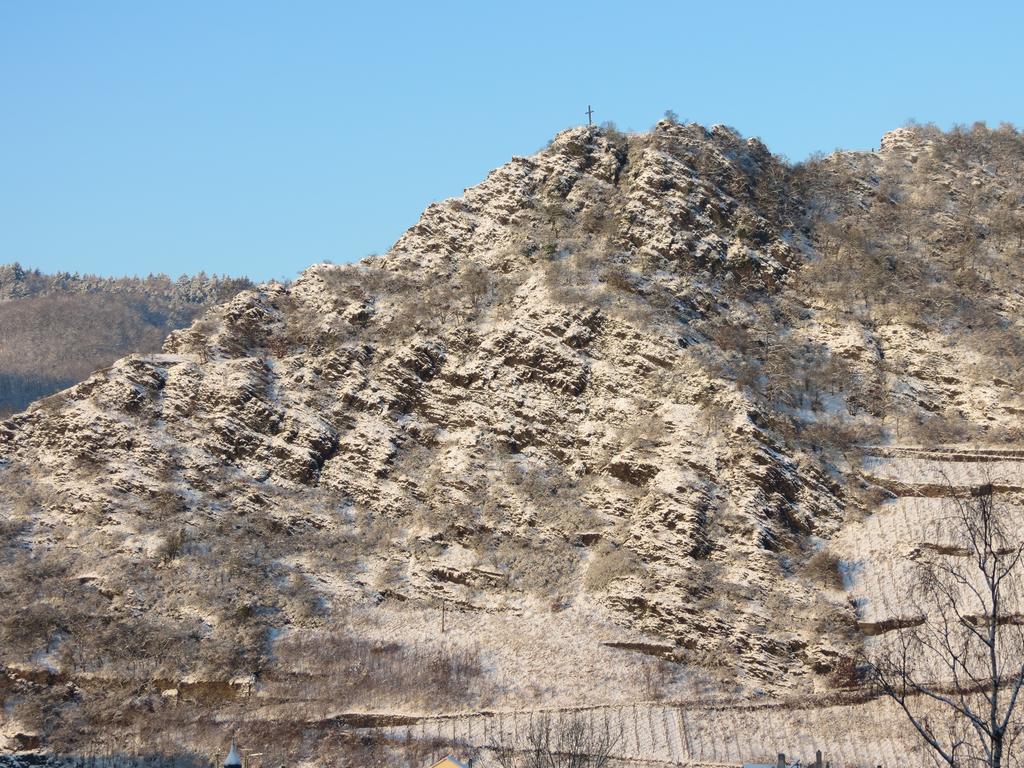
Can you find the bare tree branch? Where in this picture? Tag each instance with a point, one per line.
(958, 675)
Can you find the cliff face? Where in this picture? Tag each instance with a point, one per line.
(611, 398)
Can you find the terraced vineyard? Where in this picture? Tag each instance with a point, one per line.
(850, 729)
(692, 734)
(877, 552)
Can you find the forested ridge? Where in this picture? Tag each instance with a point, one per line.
(56, 329)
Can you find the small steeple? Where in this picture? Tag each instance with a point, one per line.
(233, 760)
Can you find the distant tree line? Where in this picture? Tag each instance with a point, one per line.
(57, 329)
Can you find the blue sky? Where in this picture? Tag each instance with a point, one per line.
(259, 137)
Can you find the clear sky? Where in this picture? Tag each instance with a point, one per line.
(257, 137)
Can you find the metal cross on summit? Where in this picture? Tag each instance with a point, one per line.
(590, 115)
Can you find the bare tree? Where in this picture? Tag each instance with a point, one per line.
(577, 743)
(476, 282)
(957, 673)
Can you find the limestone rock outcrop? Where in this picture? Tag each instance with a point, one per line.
(619, 376)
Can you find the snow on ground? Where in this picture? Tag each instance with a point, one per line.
(693, 733)
(536, 653)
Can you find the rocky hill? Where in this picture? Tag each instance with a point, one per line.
(57, 329)
(603, 419)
